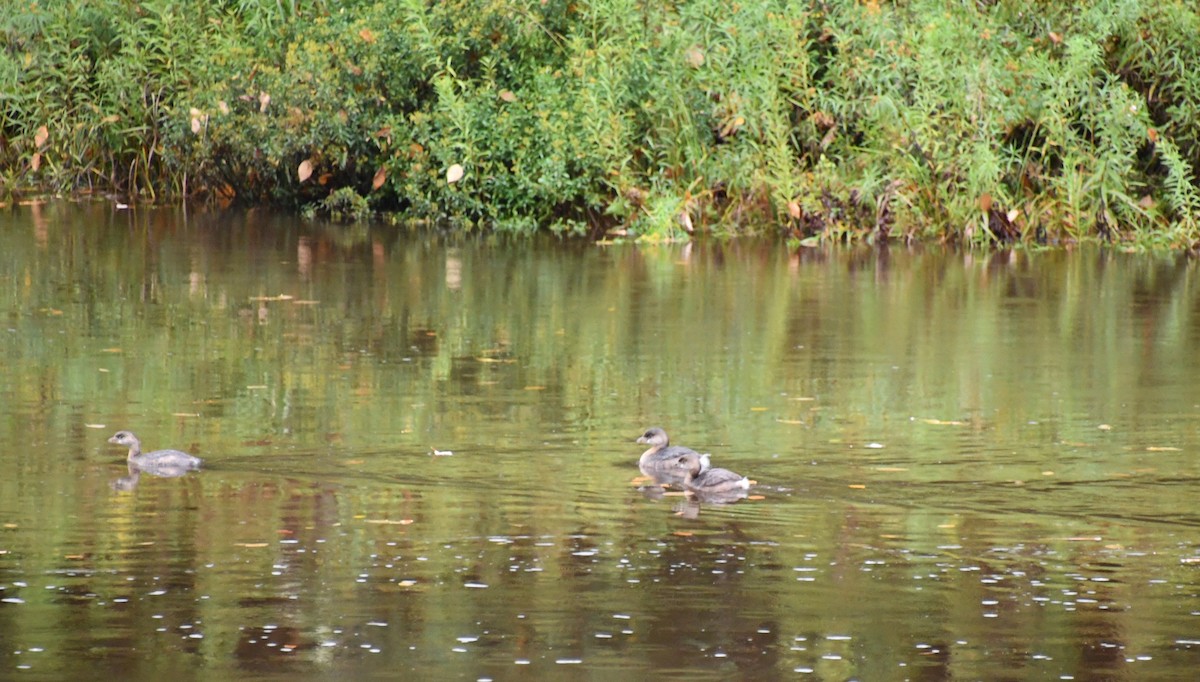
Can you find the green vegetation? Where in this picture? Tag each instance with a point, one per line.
(975, 122)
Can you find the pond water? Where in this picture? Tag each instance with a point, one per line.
(420, 459)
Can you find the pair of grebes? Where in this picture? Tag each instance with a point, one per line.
(675, 464)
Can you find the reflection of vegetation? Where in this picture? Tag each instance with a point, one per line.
(975, 122)
(323, 371)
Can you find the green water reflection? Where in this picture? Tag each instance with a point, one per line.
(971, 466)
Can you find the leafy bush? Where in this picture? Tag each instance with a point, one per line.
(972, 122)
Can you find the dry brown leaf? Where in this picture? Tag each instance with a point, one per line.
(379, 179)
(305, 170)
(41, 136)
(694, 56)
(196, 126)
(36, 162)
(755, 497)
(263, 100)
(857, 486)
(366, 35)
(454, 173)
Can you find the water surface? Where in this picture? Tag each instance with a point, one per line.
(970, 466)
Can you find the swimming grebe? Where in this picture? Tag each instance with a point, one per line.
(159, 459)
(662, 457)
(712, 483)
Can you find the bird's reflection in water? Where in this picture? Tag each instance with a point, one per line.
(130, 481)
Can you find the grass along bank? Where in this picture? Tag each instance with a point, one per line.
(974, 123)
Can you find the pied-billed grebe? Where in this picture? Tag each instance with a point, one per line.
(707, 481)
(159, 459)
(662, 457)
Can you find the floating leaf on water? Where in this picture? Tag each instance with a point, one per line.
(535, 388)
(755, 497)
(305, 170)
(391, 522)
(185, 414)
(890, 469)
(758, 409)
(250, 545)
(857, 486)
(454, 173)
(114, 349)
(1105, 427)
(1161, 448)
(943, 422)
(683, 533)
(379, 179)
(93, 426)
(1047, 473)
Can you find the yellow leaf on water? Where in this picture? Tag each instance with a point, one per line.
(857, 486)
(250, 545)
(758, 409)
(943, 422)
(41, 136)
(305, 170)
(755, 497)
(793, 422)
(391, 522)
(1162, 448)
(535, 388)
(684, 533)
(454, 173)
